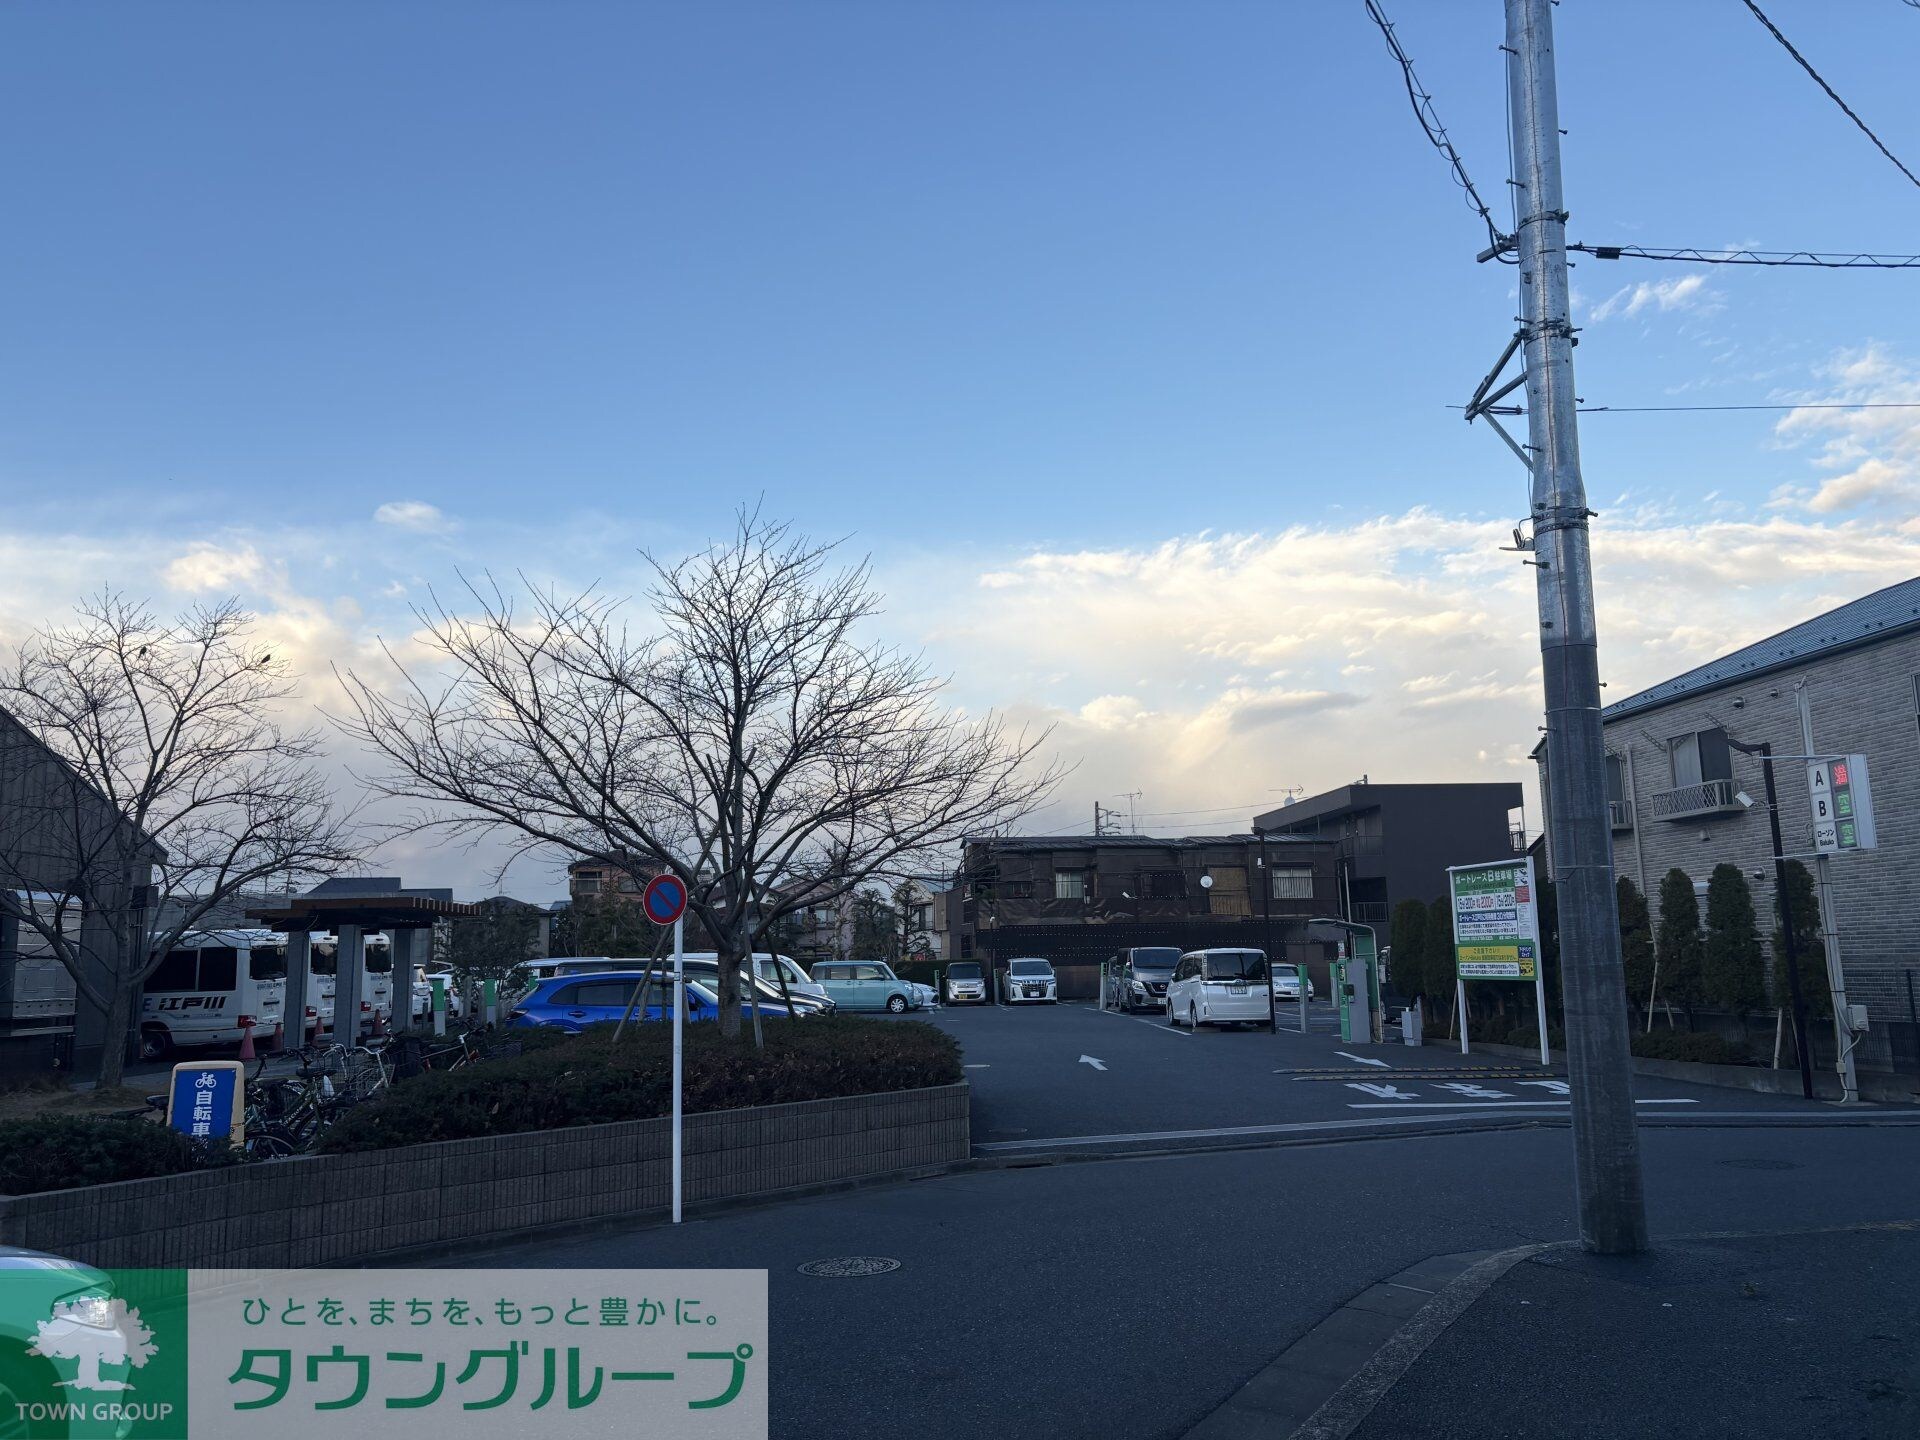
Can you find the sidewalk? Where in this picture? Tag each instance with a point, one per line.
(1798, 1335)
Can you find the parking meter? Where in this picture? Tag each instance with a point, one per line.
(1355, 991)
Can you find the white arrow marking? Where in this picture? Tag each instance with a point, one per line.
(1089, 1060)
(1381, 1092)
(1558, 1087)
(1363, 1060)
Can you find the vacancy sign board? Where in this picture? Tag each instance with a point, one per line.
(1842, 805)
(1496, 930)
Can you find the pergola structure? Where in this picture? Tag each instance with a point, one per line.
(408, 917)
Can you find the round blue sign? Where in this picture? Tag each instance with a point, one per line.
(665, 899)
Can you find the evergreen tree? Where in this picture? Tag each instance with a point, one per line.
(1734, 963)
(1437, 959)
(1808, 949)
(1636, 939)
(1681, 946)
(1409, 947)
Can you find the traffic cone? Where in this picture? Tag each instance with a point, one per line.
(246, 1039)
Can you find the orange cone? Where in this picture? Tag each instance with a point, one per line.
(246, 1038)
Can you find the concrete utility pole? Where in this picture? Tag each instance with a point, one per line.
(1606, 1145)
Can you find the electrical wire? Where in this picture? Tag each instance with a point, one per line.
(1436, 132)
(1659, 409)
(1829, 260)
(1832, 94)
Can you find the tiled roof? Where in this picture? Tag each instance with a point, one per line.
(1872, 617)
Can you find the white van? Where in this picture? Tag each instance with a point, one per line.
(199, 994)
(1219, 987)
(376, 984)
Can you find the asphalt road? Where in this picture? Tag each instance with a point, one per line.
(1127, 1297)
(1071, 1077)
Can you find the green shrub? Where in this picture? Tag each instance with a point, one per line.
(62, 1152)
(1690, 1045)
(1527, 1037)
(583, 1080)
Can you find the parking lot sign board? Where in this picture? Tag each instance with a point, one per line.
(1496, 933)
(1842, 801)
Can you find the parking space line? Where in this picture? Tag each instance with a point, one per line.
(1142, 1020)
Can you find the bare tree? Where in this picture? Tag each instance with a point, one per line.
(154, 783)
(750, 741)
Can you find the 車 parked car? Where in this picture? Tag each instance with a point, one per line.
(966, 981)
(1137, 978)
(573, 1002)
(1286, 985)
(1031, 981)
(1219, 987)
(866, 985)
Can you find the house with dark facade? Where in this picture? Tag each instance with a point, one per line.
(1077, 900)
(1395, 842)
(1683, 796)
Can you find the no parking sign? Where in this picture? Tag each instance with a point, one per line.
(665, 899)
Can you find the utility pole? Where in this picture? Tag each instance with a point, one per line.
(1830, 930)
(1606, 1144)
(1784, 897)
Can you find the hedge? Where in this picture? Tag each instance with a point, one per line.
(63, 1152)
(1696, 1046)
(583, 1080)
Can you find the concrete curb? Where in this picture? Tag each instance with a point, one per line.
(1354, 1401)
(1328, 1381)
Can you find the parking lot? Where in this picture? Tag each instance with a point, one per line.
(1072, 1077)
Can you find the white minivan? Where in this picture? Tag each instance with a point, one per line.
(212, 979)
(1219, 987)
(376, 984)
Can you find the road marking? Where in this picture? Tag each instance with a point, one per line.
(1475, 1092)
(1380, 1092)
(1142, 1020)
(1089, 1060)
(976, 1067)
(1482, 1104)
(1363, 1060)
(1557, 1087)
(1808, 1118)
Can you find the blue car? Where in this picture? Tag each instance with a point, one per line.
(573, 1002)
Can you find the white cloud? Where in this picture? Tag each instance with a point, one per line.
(415, 515)
(207, 567)
(1873, 453)
(1683, 292)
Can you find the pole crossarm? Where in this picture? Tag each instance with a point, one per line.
(1485, 401)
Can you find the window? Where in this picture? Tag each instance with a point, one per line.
(1700, 757)
(268, 962)
(1292, 882)
(587, 882)
(219, 968)
(1070, 885)
(176, 972)
(867, 972)
(1228, 894)
(565, 995)
(1616, 779)
(627, 887)
(604, 992)
(1161, 884)
(1236, 965)
(922, 917)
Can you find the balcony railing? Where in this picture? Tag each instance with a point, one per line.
(1620, 813)
(1710, 797)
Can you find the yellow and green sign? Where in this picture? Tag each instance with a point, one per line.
(1496, 932)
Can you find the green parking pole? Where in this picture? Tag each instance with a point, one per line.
(1301, 971)
(490, 999)
(439, 1004)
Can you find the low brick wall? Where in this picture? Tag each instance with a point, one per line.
(336, 1209)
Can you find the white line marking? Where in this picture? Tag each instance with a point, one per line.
(1142, 1020)
(1381, 1092)
(1363, 1060)
(1899, 1119)
(1089, 1060)
(976, 1067)
(1482, 1104)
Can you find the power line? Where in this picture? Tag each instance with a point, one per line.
(1832, 94)
(1832, 260)
(1656, 409)
(1429, 119)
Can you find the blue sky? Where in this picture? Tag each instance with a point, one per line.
(985, 286)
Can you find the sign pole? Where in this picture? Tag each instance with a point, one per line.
(1830, 929)
(1460, 1010)
(679, 1030)
(1540, 1006)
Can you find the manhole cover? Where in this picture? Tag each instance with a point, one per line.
(1758, 1163)
(846, 1267)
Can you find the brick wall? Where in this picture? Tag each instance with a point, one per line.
(336, 1209)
